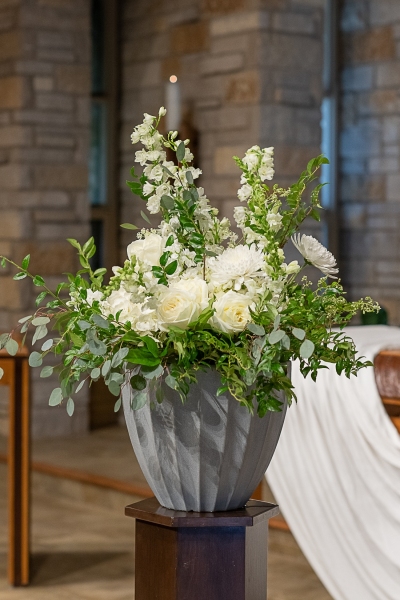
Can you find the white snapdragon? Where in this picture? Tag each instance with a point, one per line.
(316, 254)
(93, 296)
(148, 188)
(153, 204)
(244, 192)
(240, 216)
(274, 220)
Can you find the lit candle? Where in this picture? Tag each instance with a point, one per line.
(173, 104)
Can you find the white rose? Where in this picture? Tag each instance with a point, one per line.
(231, 312)
(177, 307)
(147, 250)
(197, 288)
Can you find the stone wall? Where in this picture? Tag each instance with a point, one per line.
(44, 132)
(370, 148)
(250, 73)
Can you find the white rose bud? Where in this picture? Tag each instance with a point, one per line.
(162, 112)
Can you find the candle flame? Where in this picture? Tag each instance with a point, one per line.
(173, 79)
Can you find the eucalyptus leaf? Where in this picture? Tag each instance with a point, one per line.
(276, 336)
(114, 388)
(117, 405)
(24, 319)
(307, 349)
(83, 325)
(256, 329)
(55, 397)
(189, 177)
(145, 217)
(40, 321)
(138, 382)
(277, 322)
(11, 347)
(100, 321)
(155, 373)
(119, 357)
(300, 334)
(171, 382)
(97, 347)
(129, 226)
(3, 339)
(80, 386)
(286, 342)
(40, 333)
(46, 372)
(70, 407)
(167, 202)
(139, 400)
(95, 374)
(47, 345)
(105, 369)
(35, 360)
(180, 152)
(117, 377)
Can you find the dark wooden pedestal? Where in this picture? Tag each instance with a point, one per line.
(201, 556)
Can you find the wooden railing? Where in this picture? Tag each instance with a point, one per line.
(16, 378)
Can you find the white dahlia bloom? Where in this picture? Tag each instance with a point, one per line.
(316, 254)
(237, 265)
(231, 312)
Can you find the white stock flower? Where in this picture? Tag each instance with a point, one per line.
(316, 254)
(157, 173)
(141, 157)
(266, 173)
(231, 312)
(274, 221)
(177, 307)
(244, 192)
(292, 267)
(153, 205)
(236, 265)
(92, 296)
(240, 214)
(148, 250)
(148, 188)
(120, 300)
(188, 155)
(135, 137)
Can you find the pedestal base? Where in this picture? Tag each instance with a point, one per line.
(201, 556)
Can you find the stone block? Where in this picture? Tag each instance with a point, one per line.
(294, 23)
(15, 135)
(54, 199)
(368, 46)
(8, 18)
(393, 188)
(55, 140)
(73, 79)
(67, 177)
(277, 124)
(24, 199)
(43, 17)
(13, 225)
(223, 6)
(243, 88)
(388, 75)
(384, 164)
(355, 15)
(26, 156)
(57, 231)
(239, 22)
(12, 92)
(391, 130)
(34, 67)
(14, 177)
(358, 78)
(383, 12)
(290, 161)
(233, 43)
(13, 294)
(43, 84)
(361, 140)
(48, 258)
(54, 101)
(42, 117)
(83, 114)
(280, 51)
(142, 75)
(56, 56)
(223, 159)
(189, 38)
(170, 66)
(10, 45)
(293, 97)
(221, 64)
(379, 102)
(51, 39)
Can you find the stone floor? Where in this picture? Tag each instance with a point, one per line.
(82, 544)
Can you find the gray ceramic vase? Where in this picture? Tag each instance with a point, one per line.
(208, 454)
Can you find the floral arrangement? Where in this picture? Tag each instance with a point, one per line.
(191, 295)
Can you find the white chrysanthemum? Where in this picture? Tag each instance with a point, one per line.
(316, 254)
(237, 265)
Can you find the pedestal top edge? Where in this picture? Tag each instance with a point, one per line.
(151, 511)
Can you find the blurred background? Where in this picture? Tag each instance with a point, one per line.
(304, 76)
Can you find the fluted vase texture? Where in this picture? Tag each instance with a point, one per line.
(208, 454)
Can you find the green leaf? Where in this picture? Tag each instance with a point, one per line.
(145, 217)
(119, 357)
(276, 336)
(141, 357)
(129, 226)
(300, 334)
(307, 349)
(40, 321)
(74, 243)
(70, 407)
(117, 405)
(100, 322)
(164, 258)
(154, 373)
(88, 245)
(138, 382)
(180, 152)
(40, 333)
(151, 345)
(171, 268)
(3, 339)
(1, 372)
(95, 374)
(19, 276)
(189, 177)
(167, 202)
(35, 359)
(169, 241)
(3, 263)
(40, 298)
(11, 347)
(38, 281)
(84, 325)
(97, 347)
(55, 397)
(46, 372)
(25, 262)
(256, 329)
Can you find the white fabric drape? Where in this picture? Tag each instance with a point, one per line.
(336, 476)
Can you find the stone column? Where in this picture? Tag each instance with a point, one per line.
(44, 134)
(370, 150)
